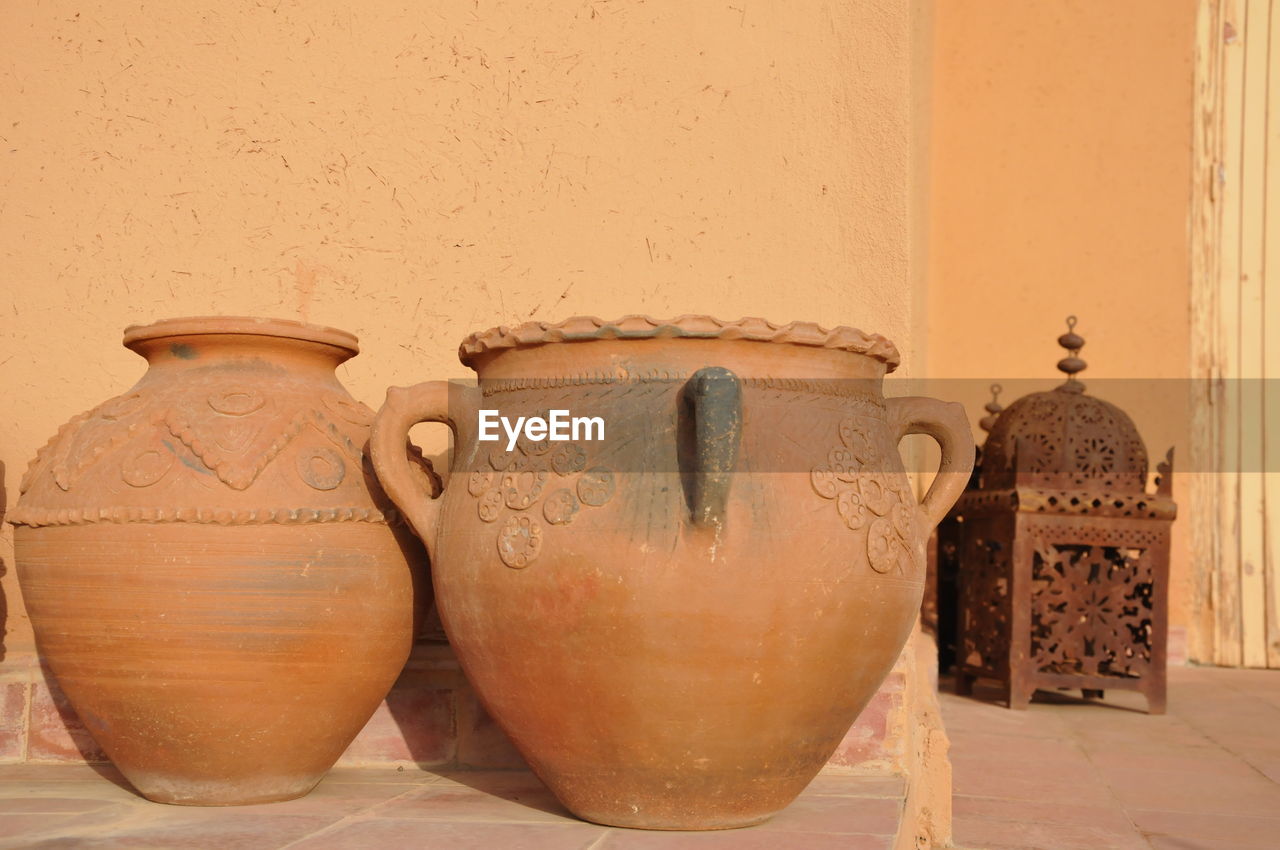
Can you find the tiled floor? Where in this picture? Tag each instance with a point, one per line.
(82, 807)
(1106, 776)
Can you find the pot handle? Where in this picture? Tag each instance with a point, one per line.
(948, 424)
(713, 399)
(404, 408)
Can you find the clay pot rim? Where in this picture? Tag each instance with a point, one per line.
(690, 326)
(245, 325)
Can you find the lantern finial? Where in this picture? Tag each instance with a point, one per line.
(1072, 364)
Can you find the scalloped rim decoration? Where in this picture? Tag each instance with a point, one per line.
(588, 328)
(40, 517)
(246, 325)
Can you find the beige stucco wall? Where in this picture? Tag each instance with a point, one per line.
(1061, 185)
(414, 172)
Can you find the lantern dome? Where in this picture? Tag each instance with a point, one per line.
(1064, 438)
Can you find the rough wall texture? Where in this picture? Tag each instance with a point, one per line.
(415, 172)
(1061, 185)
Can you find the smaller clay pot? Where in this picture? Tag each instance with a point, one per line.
(212, 572)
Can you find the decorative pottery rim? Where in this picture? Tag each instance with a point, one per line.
(40, 517)
(587, 328)
(248, 325)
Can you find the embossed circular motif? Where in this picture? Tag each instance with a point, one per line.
(146, 467)
(882, 545)
(500, 458)
(824, 482)
(535, 447)
(122, 406)
(595, 487)
(851, 509)
(560, 507)
(522, 489)
(568, 459)
(843, 465)
(237, 402)
(519, 541)
(518, 481)
(479, 481)
(858, 441)
(322, 468)
(490, 505)
(876, 495)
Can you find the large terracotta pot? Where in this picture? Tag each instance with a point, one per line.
(676, 625)
(212, 574)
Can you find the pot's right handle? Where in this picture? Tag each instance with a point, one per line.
(404, 408)
(948, 424)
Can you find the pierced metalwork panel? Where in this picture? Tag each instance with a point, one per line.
(985, 606)
(1091, 609)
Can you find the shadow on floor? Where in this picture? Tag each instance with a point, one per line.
(992, 693)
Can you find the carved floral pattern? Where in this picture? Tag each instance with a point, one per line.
(536, 477)
(869, 497)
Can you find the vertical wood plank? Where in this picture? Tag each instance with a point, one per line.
(1229, 635)
(1271, 344)
(1206, 402)
(1253, 588)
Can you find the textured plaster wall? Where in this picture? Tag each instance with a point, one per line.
(412, 172)
(1061, 184)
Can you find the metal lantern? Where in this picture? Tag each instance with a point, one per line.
(1062, 553)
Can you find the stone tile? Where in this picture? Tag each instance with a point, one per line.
(750, 838)
(515, 798)
(857, 785)
(1268, 766)
(998, 747)
(385, 774)
(413, 724)
(396, 833)
(492, 781)
(49, 805)
(1035, 835)
(837, 815)
(1111, 817)
(964, 715)
(344, 798)
(1237, 830)
(26, 831)
(55, 732)
(225, 829)
(1205, 775)
(1165, 842)
(1212, 762)
(1186, 791)
(1027, 780)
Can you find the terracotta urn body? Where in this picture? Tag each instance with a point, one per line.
(676, 624)
(211, 571)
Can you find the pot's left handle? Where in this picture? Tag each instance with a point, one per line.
(404, 408)
(948, 424)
